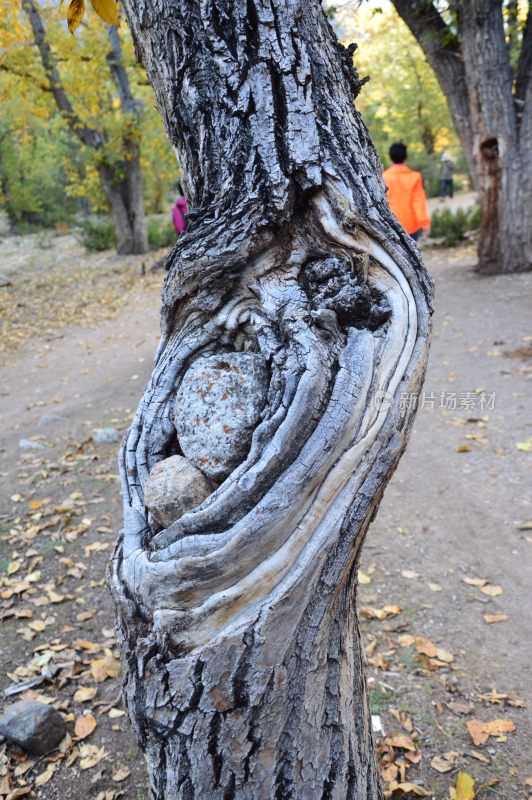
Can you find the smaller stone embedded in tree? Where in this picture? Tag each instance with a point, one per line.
(174, 487)
(218, 406)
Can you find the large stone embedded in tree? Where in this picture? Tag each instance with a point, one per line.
(218, 405)
(174, 487)
(34, 726)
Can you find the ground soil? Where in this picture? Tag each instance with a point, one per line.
(455, 509)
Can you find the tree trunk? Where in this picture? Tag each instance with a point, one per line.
(501, 146)
(126, 192)
(243, 667)
(492, 117)
(122, 185)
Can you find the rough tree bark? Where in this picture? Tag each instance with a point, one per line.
(121, 180)
(243, 667)
(492, 113)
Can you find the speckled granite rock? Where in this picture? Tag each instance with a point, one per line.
(34, 726)
(173, 487)
(217, 407)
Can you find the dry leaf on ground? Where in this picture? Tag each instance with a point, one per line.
(475, 581)
(120, 774)
(491, 591)
(465, 787)
(400, 740)
(103, 668)
(476, 730)
(45, 776)
(499, 726)
(85, 725)
(492, 618)
(445, 762)
(85, 693)
(405, 789)
(380, 613)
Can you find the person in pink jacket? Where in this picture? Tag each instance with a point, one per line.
(179, 215)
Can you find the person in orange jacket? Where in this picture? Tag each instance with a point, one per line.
(406, 195)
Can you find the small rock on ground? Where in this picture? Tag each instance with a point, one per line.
(34, 726)
(105, 435)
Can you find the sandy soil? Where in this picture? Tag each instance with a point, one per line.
(452, 511)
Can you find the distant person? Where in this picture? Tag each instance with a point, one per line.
(406, 195)
(447, 169)
(179, 215)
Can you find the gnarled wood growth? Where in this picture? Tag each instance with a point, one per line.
(243, 665)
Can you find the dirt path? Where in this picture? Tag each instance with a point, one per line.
(461, 200)
(451, 512)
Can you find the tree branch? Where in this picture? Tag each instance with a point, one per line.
(130, 104)
(88, 136)
(21, 74)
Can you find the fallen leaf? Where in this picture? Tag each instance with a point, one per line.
(463, 448)
(479, 757)
(475, 581)
(465, 787)
(524, 526)
(363, 578)
(121, 774)
(21, 791)
(406, 640)
(435, 587)
(379, 613)
(476, 730)
(103, 668)
(55, 597)
(91, 755)
(45, 776)
(400, 740)
(426, 647)
(83, 616)
(499, 726)
(85, 725)
(526, 447)
(114, 713)
(90, 647)
(404, 719)
(492, 591)
(445, 762)
(402, 789)
(409, 574)
(460, 708)
(491, 618)
(37, 625)
(85, 693)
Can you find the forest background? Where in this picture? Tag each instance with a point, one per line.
(49, 178)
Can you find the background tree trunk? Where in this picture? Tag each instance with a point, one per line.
(126, 193)
(121, 181)
(492, 114)
(243, 667)
(503, 156)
